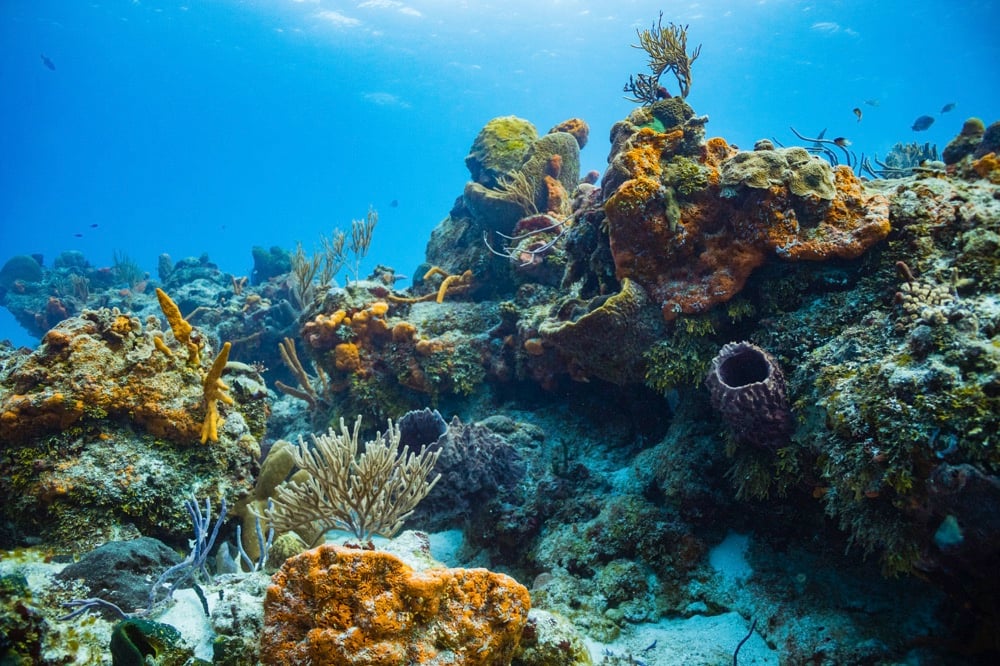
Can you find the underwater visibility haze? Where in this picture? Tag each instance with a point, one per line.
(686, 313)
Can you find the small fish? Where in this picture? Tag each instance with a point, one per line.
(947, 107)
(394, 203)
(818, 144)
(841, 141)
(922, 123)
(78, 235)
(871, 102)
(48, 63)
(94, 225)
(857, 112)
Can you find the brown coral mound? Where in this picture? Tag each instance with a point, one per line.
(605, 337)
(335, 605)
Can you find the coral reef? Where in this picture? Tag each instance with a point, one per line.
(606, 336)
(515, 174)
(478, 468)
(966, 142)
(364, 491)
(98, 425)
(598, 443)
(346, 606)
(725, 213)
(377, 357)
(898, 391)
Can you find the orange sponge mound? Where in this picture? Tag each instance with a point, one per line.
(336, 605)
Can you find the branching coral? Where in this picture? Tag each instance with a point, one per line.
(667, 50)
(320, 270)
(307, 389)
(517, 189)
(368, 494)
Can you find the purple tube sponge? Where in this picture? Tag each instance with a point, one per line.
(748, 389)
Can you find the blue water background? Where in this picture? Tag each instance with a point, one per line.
(211, 127)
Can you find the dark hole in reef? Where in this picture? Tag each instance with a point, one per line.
(746, 366)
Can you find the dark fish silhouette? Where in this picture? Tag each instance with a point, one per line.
(947, 107)
(818, 144)
(841, 141)
(94, 225)
(78, 235)
(48, 63)
(857, 112)
(922, 123)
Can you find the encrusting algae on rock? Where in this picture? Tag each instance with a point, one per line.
(98, 425)
(335, 605)
(693, 243)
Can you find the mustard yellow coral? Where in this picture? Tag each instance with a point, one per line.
(215, 390)
(181, 328)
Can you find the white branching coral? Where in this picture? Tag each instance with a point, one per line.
(367, 494)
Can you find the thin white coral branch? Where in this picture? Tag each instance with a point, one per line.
(366, 494)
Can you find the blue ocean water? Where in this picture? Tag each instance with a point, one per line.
(211, 127)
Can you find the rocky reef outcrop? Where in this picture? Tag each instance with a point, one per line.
(346, 606)
(101, 427)
(571, 325)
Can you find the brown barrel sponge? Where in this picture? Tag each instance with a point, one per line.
(748, 389)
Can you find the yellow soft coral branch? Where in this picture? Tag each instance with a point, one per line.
(215, 390)
(450, 283)
(181, 328)
(453, 283)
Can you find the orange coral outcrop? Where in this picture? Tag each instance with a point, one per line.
(988, 166)
(690, 223)
(81, 357)
(335, 605)
(577, 127)
(403, 331)
(346, 357)
(556, 197)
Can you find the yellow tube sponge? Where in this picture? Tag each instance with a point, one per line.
(215, 390)
(181, 328)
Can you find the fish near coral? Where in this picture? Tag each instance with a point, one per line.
(922, 123)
